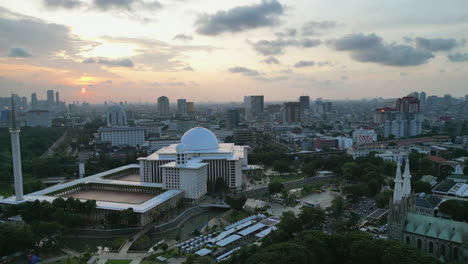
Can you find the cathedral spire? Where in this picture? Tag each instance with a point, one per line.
(398, 191)
(407, 179)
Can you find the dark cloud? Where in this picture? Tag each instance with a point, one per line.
(458, 57)
(240, 18)
(371, 48)
(111, 62)
(244, 71)
(67, 4)
(183, 37)
(19, 53)
(302, 64)
(436, 44)
(276, 47)
(34, 35)
(289, 32)
(324, 63)
(271, 60)
(126, 4)
(314, 28)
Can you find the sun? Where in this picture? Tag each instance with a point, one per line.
(83, 90)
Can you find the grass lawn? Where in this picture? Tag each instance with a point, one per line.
(118, 261)
(285, 178)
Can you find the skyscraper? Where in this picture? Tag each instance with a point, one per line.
(291, 112)
(163, 106)
(406, 120)
(422, 98)
(233, 118)
(182, 107)
(254, 105)
(190, 108)
(33, 100)
(116, 116)
(57, 98)
(50, 97)
(305, 104)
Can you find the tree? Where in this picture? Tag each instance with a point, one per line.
(382, 199)
(421, 186)
(129, 216)
(236, 203)
(164, 246)
(312, 217)
(290, 223)
(275, 187)
(337, 206)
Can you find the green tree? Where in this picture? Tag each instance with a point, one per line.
(236, 203)
(312, 217)
(421, 186)
(275, 187)
(290, 223)
(337, 206)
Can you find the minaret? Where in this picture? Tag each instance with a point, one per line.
(16, 154)
(407, 180)
(398, 191)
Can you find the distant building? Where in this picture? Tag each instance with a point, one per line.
(329, 142)
(344, 142)
(405, 121)
(422, 98)
(291, 112)
(156, 144)
(182, 107)
(190, 108)
(123, 136)
(57, 98)
(380, 114)
(50, 98)
(233, 119)
(37, 118)
(163, 106)
(116, 116)
(244, 137)
(254, 105)
(34, 103)
(305, 104)
(364, 136)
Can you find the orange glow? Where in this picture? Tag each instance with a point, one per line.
(83, 89)
(85, 80)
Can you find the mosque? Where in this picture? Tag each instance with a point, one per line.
(174, 174)
(410, 222)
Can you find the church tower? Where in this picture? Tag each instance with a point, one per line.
(401, 204)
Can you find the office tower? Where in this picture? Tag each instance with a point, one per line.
(327, 107)
(16, 153)
(305, 104)
(163, 106)
(233, 118)
(408, 104)
(57, 98)
(422, 98)
(414, 94)
(291, 112)
(253, 106)
(50, 97)
(181, 107)
(447, 100)
(33, 100)
(24, 102)
(116, 116)
(190, 108)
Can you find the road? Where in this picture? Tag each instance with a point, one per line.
(50, 152)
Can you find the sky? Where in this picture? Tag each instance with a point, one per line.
(219, 51)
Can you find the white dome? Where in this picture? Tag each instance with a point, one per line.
(199, 139)
(181, 148)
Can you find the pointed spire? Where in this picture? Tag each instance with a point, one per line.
(407, 179)
(397, 191)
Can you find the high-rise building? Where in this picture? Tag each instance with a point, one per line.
(33, 100)
(163, 106)
(408, 104)
(24, 102)
(406, 120)
(253, 105)
(181, 107)
(116, 116)
(305, 104)
(447, 100)
(190, 108)
(57, 98)
(291, 112)
(422, 98)
(233, 118)
(50, 97)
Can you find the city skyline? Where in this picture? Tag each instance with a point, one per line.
(211, 51)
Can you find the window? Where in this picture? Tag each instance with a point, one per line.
(419, 244)
(431, 247)
(407, 240)
(442, 250)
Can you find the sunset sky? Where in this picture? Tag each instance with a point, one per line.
(212, 50)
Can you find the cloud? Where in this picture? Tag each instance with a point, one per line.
(344, 78)
(302, 64)
(458, 57)
(183, 37)
(188, 68)
(19, 53)
(313, 27)
(324, 63)
(276, 47)
(289, 32)
(67, 4)
(175, 83)
(403, 74)
(111, 62)
(244, 71)
(34, 35)
(271, 60)
(240, 18)
(371, 48)
(126, 4)
(436, 44)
